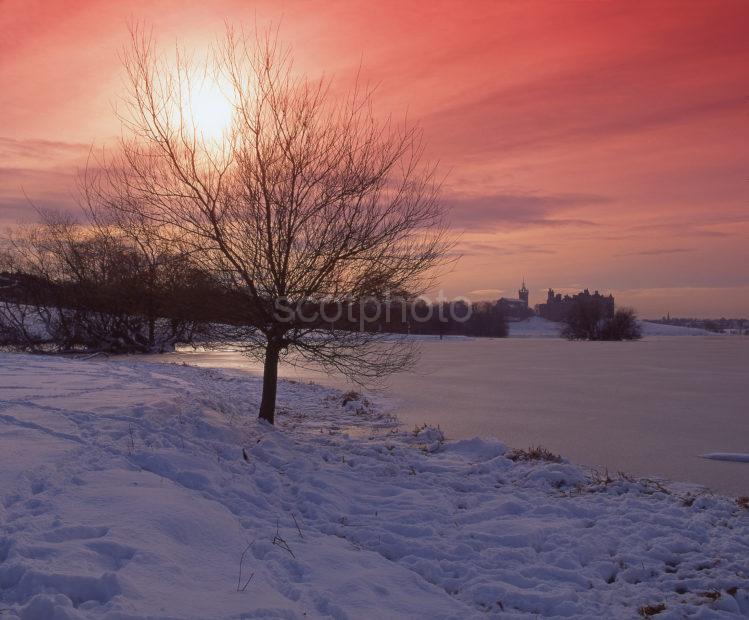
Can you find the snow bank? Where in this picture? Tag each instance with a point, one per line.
(727, 456)
(658, 329)
(534, 327)
(537, 327)
(151, 491)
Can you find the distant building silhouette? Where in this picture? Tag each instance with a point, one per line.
(523, 294)
(557, 306)
(516, 308)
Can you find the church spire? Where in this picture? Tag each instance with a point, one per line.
(523, 293)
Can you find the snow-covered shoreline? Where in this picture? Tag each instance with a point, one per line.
(537, 327)
(131, 490)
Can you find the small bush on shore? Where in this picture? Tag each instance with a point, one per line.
(534, 453)
(623, 326)
(586, 321)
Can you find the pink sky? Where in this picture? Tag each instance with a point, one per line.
(586, 144)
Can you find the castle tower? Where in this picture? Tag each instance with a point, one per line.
(523, 294)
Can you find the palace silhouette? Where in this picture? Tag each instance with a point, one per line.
(556, 307)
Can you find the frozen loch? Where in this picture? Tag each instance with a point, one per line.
(650, 408)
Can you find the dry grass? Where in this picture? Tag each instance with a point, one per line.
(646, 611)
(350, 397)
(534, 453)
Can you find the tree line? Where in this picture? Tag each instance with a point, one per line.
(113, 286)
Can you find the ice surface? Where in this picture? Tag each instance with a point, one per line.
(139, 503)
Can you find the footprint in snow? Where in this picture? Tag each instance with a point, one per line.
(78, 532)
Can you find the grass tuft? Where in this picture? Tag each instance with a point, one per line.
(646, 611)
(350, 397)
(534, 453)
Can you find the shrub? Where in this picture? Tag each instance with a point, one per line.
(588, 321)
(584, 320)
(622, 326)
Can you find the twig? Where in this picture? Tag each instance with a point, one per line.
(240, 587)
(280, 542)
(93, 355)
(297, 526)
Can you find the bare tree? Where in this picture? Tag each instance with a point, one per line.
(82, 286)
(304, 201)
(21, 324)
(164, 272)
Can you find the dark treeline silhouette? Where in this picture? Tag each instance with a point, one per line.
(418, 317)
(65, 287)
(68, 286)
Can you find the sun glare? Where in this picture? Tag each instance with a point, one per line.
(210, 108)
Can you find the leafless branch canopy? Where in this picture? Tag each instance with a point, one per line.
(305, 196)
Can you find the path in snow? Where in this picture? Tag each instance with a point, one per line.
(125, 494)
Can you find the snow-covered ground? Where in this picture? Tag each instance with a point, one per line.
(537, 327)
(658, 329)
(132, 490)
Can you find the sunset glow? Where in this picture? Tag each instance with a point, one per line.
(599, 145)
(404, 309)
(208, 105)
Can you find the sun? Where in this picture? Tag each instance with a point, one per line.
(210, 108)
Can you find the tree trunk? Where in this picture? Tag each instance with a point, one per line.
(151, 332)
(270, 382)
